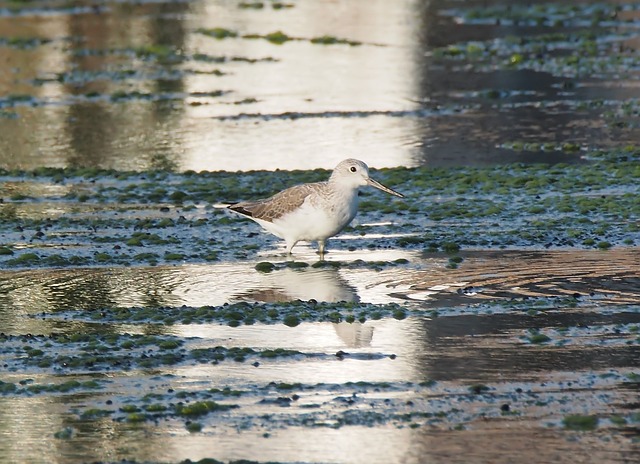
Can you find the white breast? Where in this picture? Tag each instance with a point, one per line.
(318, 218)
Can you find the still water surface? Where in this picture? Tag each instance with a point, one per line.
(138, 86)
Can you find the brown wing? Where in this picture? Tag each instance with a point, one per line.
(279, 204)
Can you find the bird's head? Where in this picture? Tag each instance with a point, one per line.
(355, 173)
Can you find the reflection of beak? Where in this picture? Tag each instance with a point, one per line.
(378, 185)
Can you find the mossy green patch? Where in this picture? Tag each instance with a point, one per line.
(156, 407)
(291, 320)
(5, 250)
(331, 40)
(201, 408)
(64, 434)
(251, 5)
(194, 427)
(478, 389)
(538, 338)
(129, 408)
(265, 266)
(218, 32)
(24, 259)
(279, 352)
(580, 422)
(277, 37)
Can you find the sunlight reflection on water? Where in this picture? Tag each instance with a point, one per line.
(86, 110)
(36, 291)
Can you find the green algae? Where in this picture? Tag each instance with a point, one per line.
(218, 32)
(28, 258)
(586, 52)
(279, 352)
(288, 313)
(28, 388)
(251, 5)
(261, 5)
(281, 5)
(479, 389)
(331, 40)
(136, 417)
(537, 338)
(202, 405)
(291, 320)
(582, 205)
(92, 352)
(156, 407)
(580, 422)
(97, 353)
(618, 420)
(201, 408)
(64, 434)
(23, 42)
(5, 250)
(545, 14)
(194, 427)
(275, 37)
(265, 266)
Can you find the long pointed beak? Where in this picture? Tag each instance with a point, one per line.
(378, 185)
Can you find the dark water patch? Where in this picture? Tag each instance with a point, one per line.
(512, 345)
(561, 53)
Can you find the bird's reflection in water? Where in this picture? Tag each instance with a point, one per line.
(322, 285)
(354, 335)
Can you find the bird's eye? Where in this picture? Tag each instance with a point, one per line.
(353, 169)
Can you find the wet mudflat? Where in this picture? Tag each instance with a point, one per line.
(492, 315)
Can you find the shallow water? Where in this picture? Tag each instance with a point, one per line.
(137, 86)
(414, 374)
(492, 315)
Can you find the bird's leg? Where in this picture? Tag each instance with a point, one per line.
(290, 246)
(321, 248)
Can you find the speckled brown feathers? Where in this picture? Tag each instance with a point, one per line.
(279, 204)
